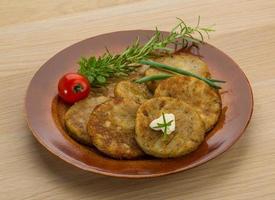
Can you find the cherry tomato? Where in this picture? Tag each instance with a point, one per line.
(73, 87)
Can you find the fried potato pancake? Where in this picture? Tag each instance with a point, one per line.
(184, 61)
(188, 135)
(203, 98)
(76, 118)
(112, 128)
(128, 89)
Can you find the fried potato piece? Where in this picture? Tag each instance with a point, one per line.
(128, 89)
(203, 98)
(188, 135)
(76, 118)
(112, 128)
(184, 61)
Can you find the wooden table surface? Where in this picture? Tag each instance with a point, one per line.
(33, 31)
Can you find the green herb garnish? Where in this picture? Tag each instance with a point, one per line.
(210, 82)
(153, 78)
(164, 125)
(98, 70)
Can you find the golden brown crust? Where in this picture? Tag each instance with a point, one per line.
(112, 128)
(76, 118)
(134, 91)
(203, 98)
(184, 61)
(188, 135)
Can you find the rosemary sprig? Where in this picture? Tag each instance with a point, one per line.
(98, 70)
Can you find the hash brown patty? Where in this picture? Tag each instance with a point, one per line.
(76, 118)
(112, 128)
(184, 61)
(203, 98)
(135, 91)
(188, 135)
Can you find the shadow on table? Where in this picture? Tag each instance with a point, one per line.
(82, 183)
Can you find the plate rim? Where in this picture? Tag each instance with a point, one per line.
(84, 167)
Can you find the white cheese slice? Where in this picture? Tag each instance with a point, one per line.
(168, 117)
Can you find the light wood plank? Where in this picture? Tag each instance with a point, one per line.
(16, 11)
(245, 31)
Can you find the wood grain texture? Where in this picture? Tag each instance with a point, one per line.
(245, 31)
(14, 11)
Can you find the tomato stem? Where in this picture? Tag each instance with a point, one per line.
(78, 88)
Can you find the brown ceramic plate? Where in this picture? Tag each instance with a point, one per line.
(44, 110)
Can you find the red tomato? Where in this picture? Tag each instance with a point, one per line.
(73, 87)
